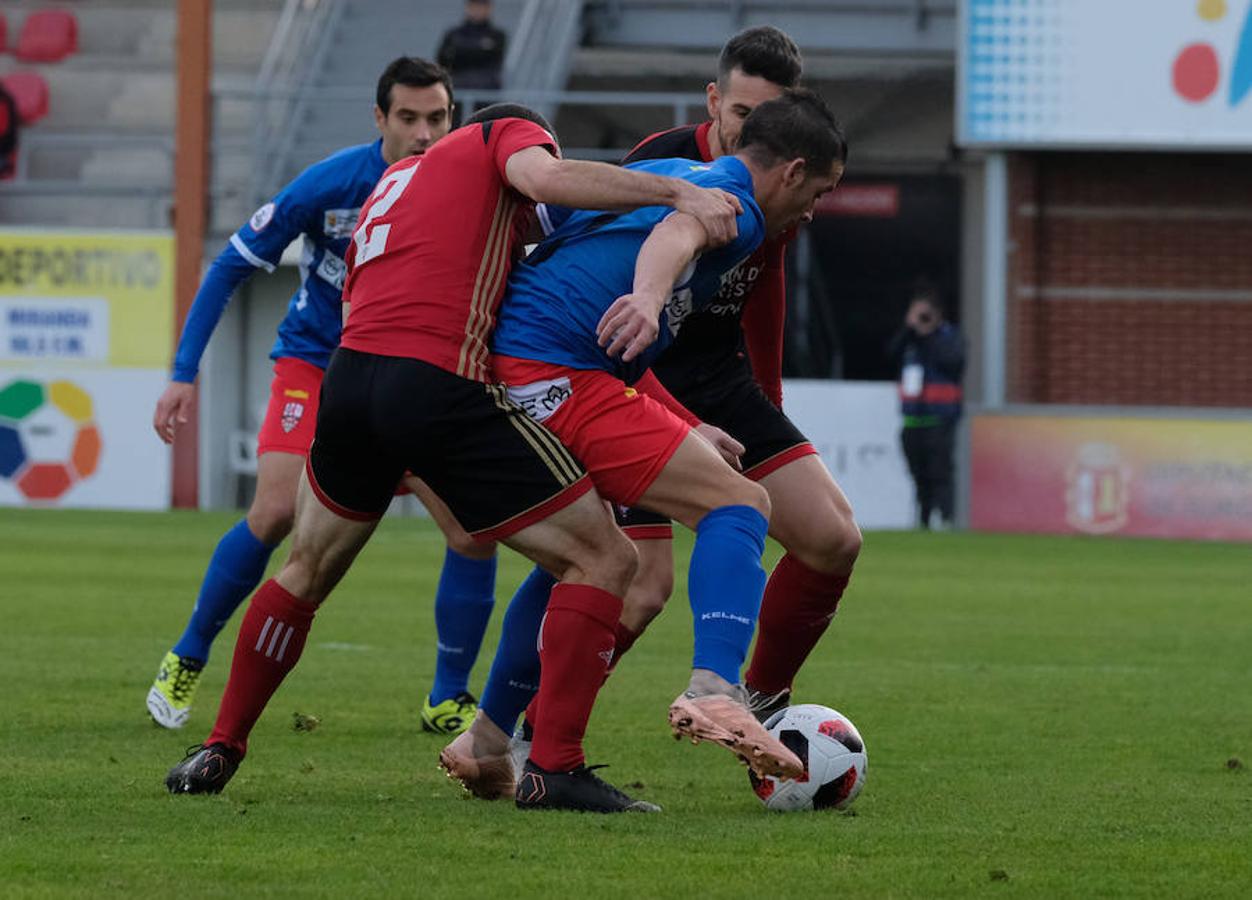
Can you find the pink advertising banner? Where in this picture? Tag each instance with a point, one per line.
(1171, 478)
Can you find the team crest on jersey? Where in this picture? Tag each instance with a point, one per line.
(292, 414)
(332, 270)
(262, 217)
(338, 223)
(677, 309)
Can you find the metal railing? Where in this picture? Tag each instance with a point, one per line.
(300, 41)
(680, 108)
(541, 50)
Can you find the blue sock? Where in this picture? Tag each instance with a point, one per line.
(725, 583)
(463, 604)
(233, 573)
(514, 676)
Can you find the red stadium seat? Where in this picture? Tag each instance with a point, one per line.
(30, 92)
(47, 36)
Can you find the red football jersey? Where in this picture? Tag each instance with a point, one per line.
(433, 246)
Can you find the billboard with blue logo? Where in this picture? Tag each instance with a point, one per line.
(1145, 74)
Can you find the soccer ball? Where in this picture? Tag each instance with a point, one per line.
(833, 755)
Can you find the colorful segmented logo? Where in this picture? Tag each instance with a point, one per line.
(48, 437)
(1197, 67)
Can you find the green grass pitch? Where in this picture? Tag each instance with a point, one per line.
(1045, 717)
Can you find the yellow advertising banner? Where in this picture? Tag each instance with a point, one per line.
(98, 297)
(85, 326)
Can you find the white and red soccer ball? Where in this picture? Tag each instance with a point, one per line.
(833, 754)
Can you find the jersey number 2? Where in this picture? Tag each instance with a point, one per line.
(371, 239)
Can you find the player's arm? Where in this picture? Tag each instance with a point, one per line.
(227, 272)
(632, 322)
(591, 185)
(257, 245)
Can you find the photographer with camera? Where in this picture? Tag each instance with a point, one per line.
(930, 352)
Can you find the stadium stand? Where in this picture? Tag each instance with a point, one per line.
(30, 92)
(102, 156)
(4, 32)
(47, 36)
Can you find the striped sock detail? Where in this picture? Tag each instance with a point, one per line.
(279, 634)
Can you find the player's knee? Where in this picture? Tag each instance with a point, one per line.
(270, 518)
(644, 602)
(650, 591)
(831, 546)
(749, 493)
(619, 563)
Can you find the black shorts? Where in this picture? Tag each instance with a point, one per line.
(496, 468)
(726, 395)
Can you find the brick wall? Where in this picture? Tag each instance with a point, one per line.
(1130, 279)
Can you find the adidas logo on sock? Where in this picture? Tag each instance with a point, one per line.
(279, 637)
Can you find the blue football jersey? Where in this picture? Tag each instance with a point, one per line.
(322, 204)
(557, 295)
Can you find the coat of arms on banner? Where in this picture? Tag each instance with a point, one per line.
(292, 413)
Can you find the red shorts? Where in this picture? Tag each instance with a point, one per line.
(622, 437)
(291, 417)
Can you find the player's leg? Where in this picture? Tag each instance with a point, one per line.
(346, 487)
(725, 581)
(507, 478)
(463, 603)
(813, 521)
(650, 589)
(242, 554)
(272, 636)
(513, 681)
(639, 453)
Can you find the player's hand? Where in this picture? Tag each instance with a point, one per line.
(715, 209)
(727, 446)
(173, 409)
(630, 325)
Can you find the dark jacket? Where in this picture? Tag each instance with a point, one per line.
(474, 53)
(931, 368)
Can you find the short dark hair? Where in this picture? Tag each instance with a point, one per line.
(509, 111)
(926, 291)
(796, 125)
(764, 52)
(410, 71)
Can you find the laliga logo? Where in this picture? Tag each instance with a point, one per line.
(1197, 69)
(1097, 494)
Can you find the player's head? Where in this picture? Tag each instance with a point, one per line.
(796, 152)
(756, 65)
(509, 111)
(412, 107)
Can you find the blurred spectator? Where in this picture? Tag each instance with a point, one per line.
(474, 50)
(8, 134)
(930, 353)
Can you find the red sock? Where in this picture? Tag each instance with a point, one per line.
(270, 641)
(795, 612)
(575, 649)
(624, 638)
